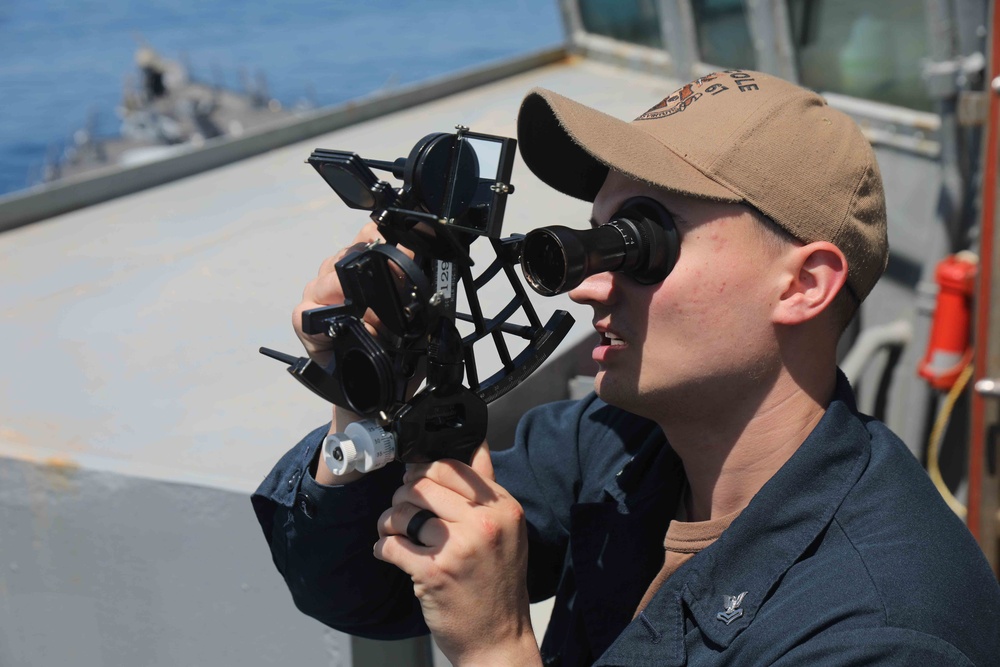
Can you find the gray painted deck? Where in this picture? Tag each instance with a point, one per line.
(136, 415)
(130, 328)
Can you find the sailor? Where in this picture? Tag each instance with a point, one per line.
(719, 499)
(153, 73)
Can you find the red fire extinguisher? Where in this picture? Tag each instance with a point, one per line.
(949, 350)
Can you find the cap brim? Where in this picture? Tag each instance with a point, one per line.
(571, 147)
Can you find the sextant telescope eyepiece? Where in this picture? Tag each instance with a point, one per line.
(640, 241)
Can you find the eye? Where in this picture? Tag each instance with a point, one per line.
(682, 225)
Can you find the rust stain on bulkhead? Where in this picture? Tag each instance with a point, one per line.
(59, 473)
(61, 464)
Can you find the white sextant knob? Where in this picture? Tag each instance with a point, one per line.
(341, 453)
(363, 446)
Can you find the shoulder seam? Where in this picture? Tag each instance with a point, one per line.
(864, 564)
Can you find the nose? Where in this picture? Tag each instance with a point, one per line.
(596, 289)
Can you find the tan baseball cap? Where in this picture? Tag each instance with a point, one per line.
(736, 136)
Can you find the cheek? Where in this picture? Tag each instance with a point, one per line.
(704, 299)
(702, 277)
(680, 308)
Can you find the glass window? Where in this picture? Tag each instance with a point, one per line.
(862, 48)
(636, 21)
(723, 33)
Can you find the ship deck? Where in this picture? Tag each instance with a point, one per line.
(131, 327)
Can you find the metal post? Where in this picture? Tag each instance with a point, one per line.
(572, 23)
(984, 483)
(941, 79)
(772, 37)
(679, 36)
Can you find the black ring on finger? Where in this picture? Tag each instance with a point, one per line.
(416, 523)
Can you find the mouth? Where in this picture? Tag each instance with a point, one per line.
(609, 338)
(610, 346)
(612, 340)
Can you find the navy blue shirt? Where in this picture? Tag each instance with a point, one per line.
(847, 556)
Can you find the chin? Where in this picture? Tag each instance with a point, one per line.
(613, 393)
(651, 402)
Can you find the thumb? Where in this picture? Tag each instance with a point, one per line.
(481, 462)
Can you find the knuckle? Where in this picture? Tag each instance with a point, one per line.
(383, 523)
(400, 515)
(422, 485)
(379, 549)
(390, 551)
(463, 550)
(515, 513)
(309, 290)
(297, 312)
(415, 471)
(491, 531)
(400, 495)
(427, 473)
(432, 576)
(447, 466)
(330, 263)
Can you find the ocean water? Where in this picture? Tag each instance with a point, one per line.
(63, 60)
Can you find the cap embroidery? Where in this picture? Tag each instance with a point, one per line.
(683, 97)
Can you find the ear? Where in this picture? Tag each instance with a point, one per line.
(814, 274)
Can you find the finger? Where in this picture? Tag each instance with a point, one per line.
(417, 470)
(459, 478)
(482, 463)
(427, 494)
(400, 520)
(329, 264)
(369, 232)
(367, 235)
(318, 346)
(325, 289)
(321, 343)
(401, 552)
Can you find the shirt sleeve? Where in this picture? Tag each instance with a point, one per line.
(321, 537)
(875, 647)
(564, 453)
(542, 471)
(321, 540)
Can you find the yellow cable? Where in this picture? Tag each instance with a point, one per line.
(937, 434)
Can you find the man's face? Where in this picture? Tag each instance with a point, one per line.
(704, 334)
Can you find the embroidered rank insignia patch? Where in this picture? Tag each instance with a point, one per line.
(732, 610)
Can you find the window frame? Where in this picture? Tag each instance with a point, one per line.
(910, 130)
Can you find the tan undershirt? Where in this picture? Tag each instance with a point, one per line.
(683, 540)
